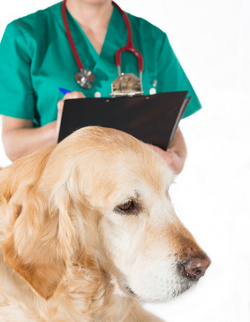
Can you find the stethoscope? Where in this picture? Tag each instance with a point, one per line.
(125, 84)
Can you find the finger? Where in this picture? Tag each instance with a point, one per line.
(60, 106)
(73, 95)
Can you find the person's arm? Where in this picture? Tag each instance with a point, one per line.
(20, 138)
(176, 154)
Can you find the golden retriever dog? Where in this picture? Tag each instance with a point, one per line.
(88, 232)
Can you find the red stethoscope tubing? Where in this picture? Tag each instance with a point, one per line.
(70, 39)
(129, 45)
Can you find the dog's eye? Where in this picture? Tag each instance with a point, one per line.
(127, 207)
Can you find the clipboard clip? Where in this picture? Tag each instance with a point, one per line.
(126, 84)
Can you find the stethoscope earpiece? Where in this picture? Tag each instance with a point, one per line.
(85, 78)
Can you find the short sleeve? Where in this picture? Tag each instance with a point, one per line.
(16, 92)
(173, 78)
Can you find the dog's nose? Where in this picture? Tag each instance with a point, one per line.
(194, 268)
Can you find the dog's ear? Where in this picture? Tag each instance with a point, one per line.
(38, 242)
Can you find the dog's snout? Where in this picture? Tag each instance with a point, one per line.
(194, 268)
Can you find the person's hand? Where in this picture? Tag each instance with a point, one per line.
(176, 154)
(173, 160)
(60, 105)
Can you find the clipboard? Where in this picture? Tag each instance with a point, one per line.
(150, 118)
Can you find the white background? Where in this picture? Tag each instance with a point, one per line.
(212, 41)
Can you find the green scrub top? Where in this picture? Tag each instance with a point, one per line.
(36, 59)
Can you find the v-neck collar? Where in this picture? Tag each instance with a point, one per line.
(92, 51)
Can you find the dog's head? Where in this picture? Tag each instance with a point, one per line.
(103, 195)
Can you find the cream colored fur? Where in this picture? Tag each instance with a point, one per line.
(67, 251)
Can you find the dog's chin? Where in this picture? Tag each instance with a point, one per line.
(180, 287)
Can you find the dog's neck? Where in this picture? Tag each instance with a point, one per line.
(85, 293)
(82, 284)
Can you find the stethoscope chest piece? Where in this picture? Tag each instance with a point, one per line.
(85, 78)
(126, 85)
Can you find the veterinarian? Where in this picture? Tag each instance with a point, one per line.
(36, 59)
